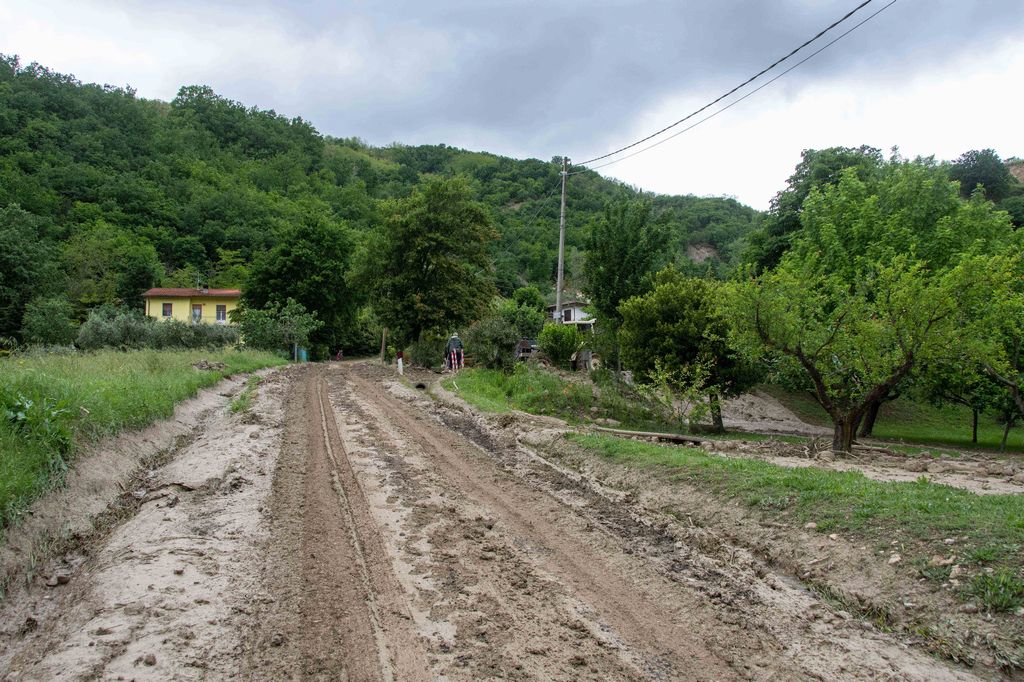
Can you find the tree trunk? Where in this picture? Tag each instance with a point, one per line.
(716, 413)
(974, 428)
(868, 425)
(1006, 434)
(842, 436)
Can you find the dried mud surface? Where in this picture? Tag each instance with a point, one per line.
(351, 527)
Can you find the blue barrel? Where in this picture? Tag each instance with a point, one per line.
(303, 355)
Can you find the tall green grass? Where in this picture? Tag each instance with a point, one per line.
(51, 405)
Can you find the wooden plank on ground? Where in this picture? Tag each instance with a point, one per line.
(670, 437)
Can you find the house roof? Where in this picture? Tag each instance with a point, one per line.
(189, 293)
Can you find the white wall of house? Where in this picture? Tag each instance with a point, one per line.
(571, 312)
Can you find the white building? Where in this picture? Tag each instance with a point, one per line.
(573, 313)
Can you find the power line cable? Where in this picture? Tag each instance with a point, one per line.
(738, 87)
(737, 101)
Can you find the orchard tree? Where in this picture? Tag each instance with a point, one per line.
(428, 270)
(883, 276)
(959, 380)
(856, 341)
(277, 326)
(818, 168)
(1002, 353)
(678, 326)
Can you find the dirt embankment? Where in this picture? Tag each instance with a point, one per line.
(163, 593)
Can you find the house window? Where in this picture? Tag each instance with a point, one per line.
(567, 315)
(222, 314)
(168, 307)
(197, 312)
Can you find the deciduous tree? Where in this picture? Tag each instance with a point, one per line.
(677, 327)
(884, 275)
(429, 268)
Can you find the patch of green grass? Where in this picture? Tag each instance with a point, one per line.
(907, 420)
(50, 405)
(536, 391)
(243, 401)
(1001, 591)
(842, 500)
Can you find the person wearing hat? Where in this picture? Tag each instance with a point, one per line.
(453, 354)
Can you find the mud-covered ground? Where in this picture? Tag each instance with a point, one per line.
(352, 527)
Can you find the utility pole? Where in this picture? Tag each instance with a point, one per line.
(561, 243)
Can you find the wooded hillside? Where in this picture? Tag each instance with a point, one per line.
(104, 194)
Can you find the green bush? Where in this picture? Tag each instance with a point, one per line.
(109, 327)
(493, 342)
(559, 342)
(48, 322)
(428, 351)
(276, 327)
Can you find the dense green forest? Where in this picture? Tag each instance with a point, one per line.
(104, 194)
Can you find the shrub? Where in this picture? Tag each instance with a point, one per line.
(275, 327)
(559, 342)
(427, 351)
(109, 327)
(525, 321)
(492, 342)
(47, 321)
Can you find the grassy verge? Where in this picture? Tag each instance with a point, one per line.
(536, 391)
(243, 401)
(921, 515)
(906, 420)
(50, 405)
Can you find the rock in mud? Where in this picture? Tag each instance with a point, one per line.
(810, 526)
(939, 560)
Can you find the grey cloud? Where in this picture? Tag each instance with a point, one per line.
(537, 78)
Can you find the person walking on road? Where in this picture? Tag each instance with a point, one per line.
(453, 354)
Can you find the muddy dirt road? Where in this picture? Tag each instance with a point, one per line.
(351, 527)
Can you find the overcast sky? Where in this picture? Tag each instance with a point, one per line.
(540, 79)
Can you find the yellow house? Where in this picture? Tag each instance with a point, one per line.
(192, 305)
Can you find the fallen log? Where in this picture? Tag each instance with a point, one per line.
(669, 437)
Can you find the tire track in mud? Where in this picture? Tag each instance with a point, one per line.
(336, 610)
(682, 605)
(670, 639)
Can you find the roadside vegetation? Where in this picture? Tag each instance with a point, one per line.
(538, 391)
(913, 421)
(53, 404)
(988, 529)
(243, 401)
